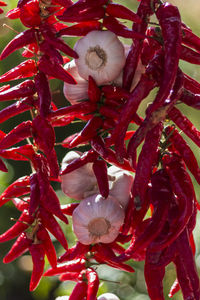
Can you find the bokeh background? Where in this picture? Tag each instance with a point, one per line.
(14, 277)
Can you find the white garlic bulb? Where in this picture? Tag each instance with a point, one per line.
(97, 220)
(121, 187)
(75, 92)
(79, 183)
(108, 296)
(101, 55)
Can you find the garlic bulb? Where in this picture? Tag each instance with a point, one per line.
(101, 55)
(108, 296)
(79, 183)
(97, 220)
(121, 187)
(75, 92)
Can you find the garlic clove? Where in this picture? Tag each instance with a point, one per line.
(101, 55)
(75, 93)
(97, 220)
(108, 296)
(121, 187)
(78, 182)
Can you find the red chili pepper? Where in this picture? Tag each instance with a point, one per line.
(2, 3)
(190, 39)
(37, 252)
(22, 39)
(88, 132)
(3, 167)
(94, 92)
(108, 112)
(18, 188)
(20, 226)
(72, 276)
(54, 54)
(85, 15)
(52, 68)
(24, 89)
(80, 29)
(49, 249)
(4, 87)
(150, 46)
(20, 246)
(21, 204)
(170, 22)
(93, 283)
(104, 254)
(31, 50)
(120, 11)
(77, 251)
(184, 124)
(68, 209)
(16, 108)
(72, 266)
(44, 93)
(49, 222)
(65, 3)
(190, 55)
(79, 291)
(190, 99)
(119, 29)
(24, 152)
(115, 92)
(184, 150)
(19, 133)
(30, 14)
(100, 171)
(191, 85)
(13, 13)
(34, 193)
(53, 163)
(23, 70)
(80, 6)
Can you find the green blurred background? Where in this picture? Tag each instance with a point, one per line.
(14, 277)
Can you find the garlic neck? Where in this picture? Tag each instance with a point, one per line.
(95, 58)
(98, 227)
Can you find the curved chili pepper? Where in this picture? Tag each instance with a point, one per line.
(190, 55)
(184, 150)
(65, 3)
(24, 221)
(85, 15)
(73, 276)
(49, 249)
(79, 291)
(25, 69)
(37, 252)
(22, 39)
(3, 167)
(80, 29)
(94, 92)
(44, 93)
(190, 39)
(19, 133)
(49, 222)
(184, 124)
(72, 266)
(68, 209)
(191, 99)
(13, 13)
(24, 89)
(18, 188)
(93, 283)
(51, 52)
(21, 204)
(170, 22)
(34, 193)
(30, 14)
(191, 85)
(120, 11)
(77, 251)
(20, 246)
(100, 171)
(115, 92)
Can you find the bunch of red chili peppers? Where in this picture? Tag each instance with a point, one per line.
(162, 183)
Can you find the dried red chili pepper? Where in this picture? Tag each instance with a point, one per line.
(191, 85)
(24, 89)
(79, 291)
(30, 14)
(20, 246)
(77, 251)
(191, 99)
(19, 41)
(19, 133)
(94, 92)
(72, 266)
(21, 204)
(93, 283)
(43, 236)
(34, 193)
(80, 29)
(190, 39)
(18, 188)
(51, 52)
(185, 124)
(170, 22)
(68, 209)
(13, 13)
(24, 221)
(120, 11)
(49, 222)
(44, 93)
(190, 55)
(184, 150)
(100, 171)
(73, 276)
(115, 92)
(37, 252)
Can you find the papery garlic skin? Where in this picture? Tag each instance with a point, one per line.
(120, 188)
(108, 296)
(97, 220)
(79, 183)
(75, 92)
(101, 55)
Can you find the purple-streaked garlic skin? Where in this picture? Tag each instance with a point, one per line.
(75, 92)
(120, 187)
(97, 220)
(79, 183)
(101, 55)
